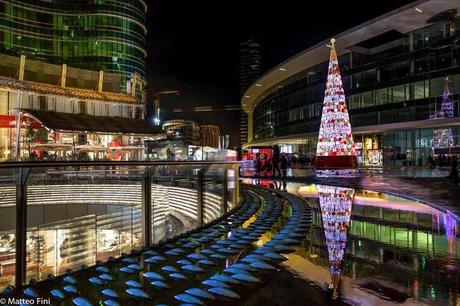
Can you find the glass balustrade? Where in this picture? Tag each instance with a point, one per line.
(72, 215)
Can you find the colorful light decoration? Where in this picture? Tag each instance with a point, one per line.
(335, 204)
(447, 107)
(335, 138)
(443, 138)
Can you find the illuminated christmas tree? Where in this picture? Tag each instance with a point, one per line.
(443, 138)
(335, 204)
(447, 107)
(335, 148)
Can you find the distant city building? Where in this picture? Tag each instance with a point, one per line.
(187, 131)
(210, 135)
(250, 69)
(94, 35)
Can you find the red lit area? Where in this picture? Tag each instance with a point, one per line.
(257, 161)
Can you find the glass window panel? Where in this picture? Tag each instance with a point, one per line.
(456, 83)
(370, 76)
(357, 80)
(436, 32)
(421, 65)
(385, 73)
(3, 102)
(443, 60)
(382, 96)
(399, 93)
(367, 99)
(401, 69)
(418, 90)
(418, 39)
(436, 87)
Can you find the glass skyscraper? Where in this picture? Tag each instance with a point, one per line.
(90, 34)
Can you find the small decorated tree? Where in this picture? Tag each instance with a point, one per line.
(335, 148)
(443, 138)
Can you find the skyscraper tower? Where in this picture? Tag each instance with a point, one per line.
(94, 35)
(249, 71)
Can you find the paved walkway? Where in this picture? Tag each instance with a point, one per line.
(436, 191)
(429, 186)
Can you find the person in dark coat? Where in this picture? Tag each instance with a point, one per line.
(283, 165)
(275, 160)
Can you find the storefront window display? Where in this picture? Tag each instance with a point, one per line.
(369, 149)
(373, 154)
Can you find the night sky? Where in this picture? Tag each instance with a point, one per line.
(193, 46)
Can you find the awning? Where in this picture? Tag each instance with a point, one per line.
(83, 123)
(52, 147)
(90, 148)
(127, 148)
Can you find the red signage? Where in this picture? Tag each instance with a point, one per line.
(7, 121)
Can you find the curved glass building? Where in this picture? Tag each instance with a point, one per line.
(90, 34)
(398, 72)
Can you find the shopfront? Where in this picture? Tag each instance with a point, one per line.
(414, 147)
(369, 150)
(48, 136)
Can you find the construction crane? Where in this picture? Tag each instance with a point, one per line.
(156, 103)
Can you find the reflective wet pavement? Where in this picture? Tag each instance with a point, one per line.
(371, 248)
(351, 247)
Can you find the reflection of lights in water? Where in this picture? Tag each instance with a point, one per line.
(335, 204)
(450, 225)
(259, 243)
(419, 253)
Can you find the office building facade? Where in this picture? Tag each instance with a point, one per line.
(95, 35)
(53, 112)
(399, 72)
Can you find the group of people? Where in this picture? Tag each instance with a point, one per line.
(272, 167)
(453, 175)
(441, 161)
(446, 161)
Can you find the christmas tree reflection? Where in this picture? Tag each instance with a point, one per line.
(335, 204)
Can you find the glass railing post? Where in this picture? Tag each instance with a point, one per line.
(236, 190)
(225, 189)
(21, 227)
(200, 194)
(147, 207)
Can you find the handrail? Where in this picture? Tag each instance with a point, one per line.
(211, 191)
(41, 164)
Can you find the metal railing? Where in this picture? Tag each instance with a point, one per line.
(57, 216)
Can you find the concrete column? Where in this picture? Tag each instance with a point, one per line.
(100, 81)
(22, 65)
(63, 74)
(200, 196)
(21, 228)
(134, 84)
(147, 211)
(225, 189)
(250, 127)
